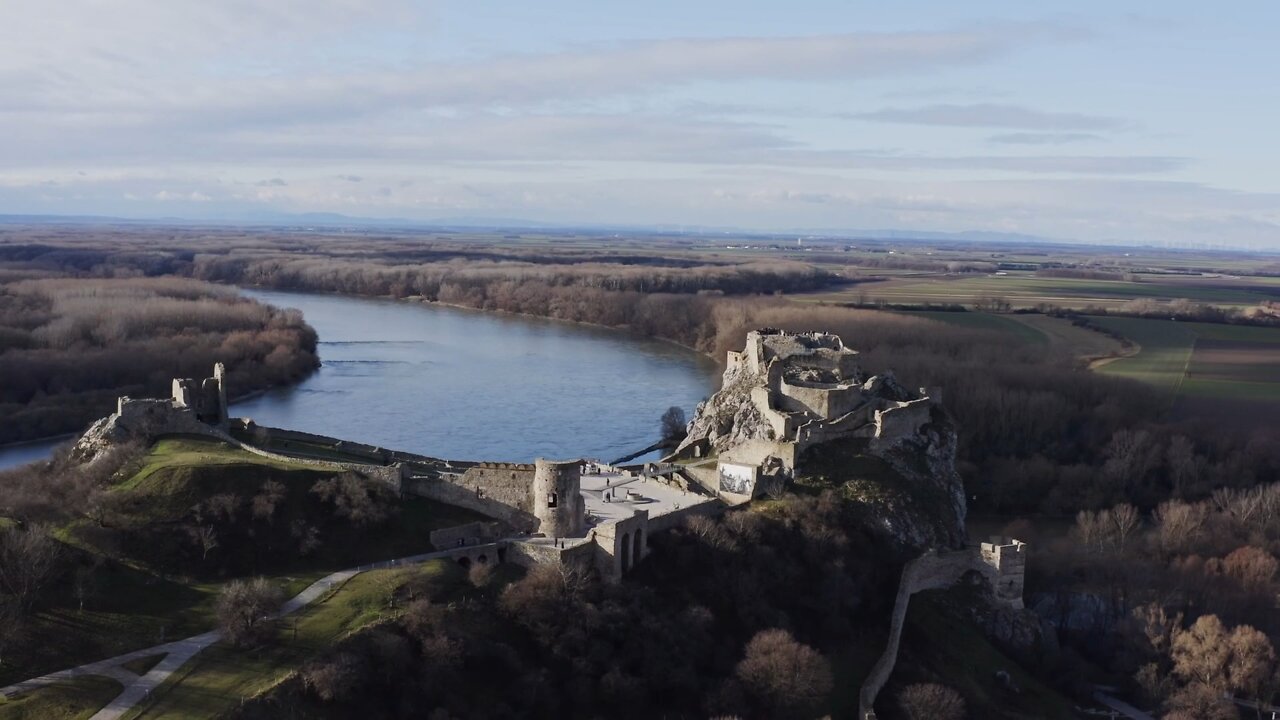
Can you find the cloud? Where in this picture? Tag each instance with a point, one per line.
(990, 115)
(193, 196)
(78, 84)
(1031, 138)
(351, 178)
(273, 182)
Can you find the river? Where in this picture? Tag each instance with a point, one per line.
(468, 385)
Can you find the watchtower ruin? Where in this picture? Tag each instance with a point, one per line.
(557, 498)
(207, 400)
(1007, 557)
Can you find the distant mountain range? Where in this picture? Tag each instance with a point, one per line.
(334, 221)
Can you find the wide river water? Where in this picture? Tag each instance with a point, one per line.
(468, 385)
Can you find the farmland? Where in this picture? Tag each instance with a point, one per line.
(1027, 290)
(1216, 373)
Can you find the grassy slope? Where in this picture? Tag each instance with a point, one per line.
(71, 700)
(220, 676)
(948, 648)
(135, 607)
(939, 645)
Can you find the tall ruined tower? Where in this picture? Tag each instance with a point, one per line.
(1006, 559)
(557, 498)
(220, 376)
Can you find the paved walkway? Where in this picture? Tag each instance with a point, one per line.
(178, 652)
(1121, 707)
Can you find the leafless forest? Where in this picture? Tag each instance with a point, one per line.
(70, 345)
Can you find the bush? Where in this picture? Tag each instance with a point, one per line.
(246, 611)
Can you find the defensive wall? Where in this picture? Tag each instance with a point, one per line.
(1001, 562)
(452, 491)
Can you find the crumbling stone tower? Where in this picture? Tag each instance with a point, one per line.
(557, 498)
(1007, 559)
(208, 399)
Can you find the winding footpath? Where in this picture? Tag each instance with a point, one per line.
(177, 653)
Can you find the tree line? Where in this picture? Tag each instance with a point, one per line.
(70, 346)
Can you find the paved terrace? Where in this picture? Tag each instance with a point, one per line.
(656, 496)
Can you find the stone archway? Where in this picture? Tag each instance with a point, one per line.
(626, 552)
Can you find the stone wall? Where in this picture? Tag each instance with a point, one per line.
(902, 420)
(294, 441)
(710, 507)
(474, 533)
(579, 554)
(621, 545)
(508, 483)
(441, 489)
(825, 402)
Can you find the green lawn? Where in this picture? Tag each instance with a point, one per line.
(132, 609)
(71, 700)
(216, 680)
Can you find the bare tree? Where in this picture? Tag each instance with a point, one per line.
(28, 562)
(359, 500)
(1201, 653)
(1179, 524)
(673, 424)
(1252, 567)
(265, 502)
(1180, 457)
(206, 537)
(1124, 521)
(85, 584)
(1252, 663)
(930, 701)
(480, 574)
(335, 678)
(790, 678)
(12, 624)
(246, 610)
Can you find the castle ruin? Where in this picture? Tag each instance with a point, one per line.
(782, 394)
(786, 392)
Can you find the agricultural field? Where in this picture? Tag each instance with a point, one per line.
(1211, 372)
(1026, 290)
(1215, 373)
(984, 321)
(1059, 334)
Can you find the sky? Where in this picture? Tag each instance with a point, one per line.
(1146, 123)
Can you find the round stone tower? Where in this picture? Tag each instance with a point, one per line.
(557, 498)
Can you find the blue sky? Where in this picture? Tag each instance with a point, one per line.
(1088, 120)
